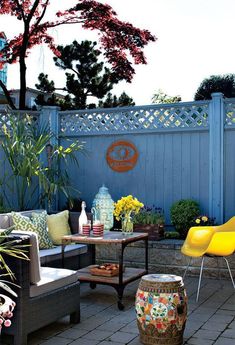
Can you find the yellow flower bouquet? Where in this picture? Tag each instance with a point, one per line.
(125, 209)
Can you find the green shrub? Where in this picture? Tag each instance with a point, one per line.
(183, 213)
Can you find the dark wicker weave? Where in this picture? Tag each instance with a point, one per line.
(31, 314)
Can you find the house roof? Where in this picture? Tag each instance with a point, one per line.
(34, 91)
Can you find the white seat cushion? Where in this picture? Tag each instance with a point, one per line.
(53, 279)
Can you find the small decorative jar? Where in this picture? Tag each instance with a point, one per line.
(86, 228)
(98, 229)
(102, 208)
(161, 308)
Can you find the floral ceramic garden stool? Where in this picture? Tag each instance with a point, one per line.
(161, 308)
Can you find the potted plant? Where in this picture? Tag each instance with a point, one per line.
(24, 143)
(151, 220)
(183, 212)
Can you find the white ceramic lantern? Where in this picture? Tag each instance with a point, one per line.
(102, 208)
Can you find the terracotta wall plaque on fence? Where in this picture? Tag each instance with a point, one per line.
(122, 156)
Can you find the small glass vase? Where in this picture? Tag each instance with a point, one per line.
(127, 226)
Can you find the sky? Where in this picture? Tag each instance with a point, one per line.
(195, 39)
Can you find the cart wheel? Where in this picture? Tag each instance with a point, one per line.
(92, 286)
(120, 305)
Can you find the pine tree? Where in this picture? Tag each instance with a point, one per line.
(112, 101)
(44, 84)
(122, 42)
(216, 83)
(87, 76)
(125, 101)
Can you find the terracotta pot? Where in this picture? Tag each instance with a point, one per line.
(155, 231)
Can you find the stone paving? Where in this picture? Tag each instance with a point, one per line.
(210, 321)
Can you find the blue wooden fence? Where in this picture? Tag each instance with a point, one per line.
(185, 151)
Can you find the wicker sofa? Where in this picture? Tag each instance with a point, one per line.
(46, 293)
(76, 256)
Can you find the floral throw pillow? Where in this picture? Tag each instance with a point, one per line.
(37, 224)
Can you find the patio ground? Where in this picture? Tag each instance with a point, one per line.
(210, 321)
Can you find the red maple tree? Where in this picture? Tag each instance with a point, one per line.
(122, 42)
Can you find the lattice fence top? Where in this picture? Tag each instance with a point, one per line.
(230, 112)
(134, 119)
(6, 115)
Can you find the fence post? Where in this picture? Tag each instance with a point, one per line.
(216, 157)
(49, 116)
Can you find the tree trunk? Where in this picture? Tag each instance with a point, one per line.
(7, 94)
(22, 82)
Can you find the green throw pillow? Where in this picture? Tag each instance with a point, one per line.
(58, 226)
(37, 224)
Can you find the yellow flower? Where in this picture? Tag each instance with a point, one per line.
(204, 218)
(197, 221)
(127, 206)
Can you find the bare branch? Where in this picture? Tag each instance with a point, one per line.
(7, 94)
(66, 22)
(40, 18)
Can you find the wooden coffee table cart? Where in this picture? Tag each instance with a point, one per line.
(121, 241)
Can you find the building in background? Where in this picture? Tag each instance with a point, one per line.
(31, 94)
(3, 71)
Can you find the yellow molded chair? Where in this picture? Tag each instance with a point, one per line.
(228, 226)
(212, 241)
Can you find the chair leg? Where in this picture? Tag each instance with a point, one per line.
(75, 317)
(20, 339)
(218, 268)
(189, 262)
(200, 278)
(230, 273)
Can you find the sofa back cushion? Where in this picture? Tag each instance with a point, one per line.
(6, 218)
(37, 224)
(58, 226)
(34, 267)
(4, 221)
